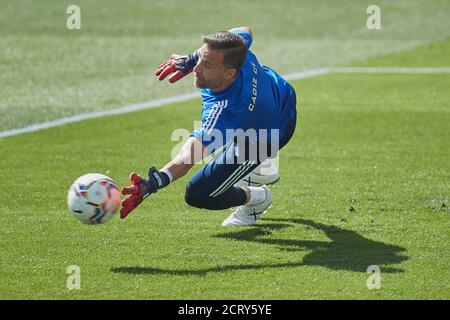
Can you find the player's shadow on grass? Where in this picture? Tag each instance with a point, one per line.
(347, 250)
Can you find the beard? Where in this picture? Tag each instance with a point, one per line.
(204, 84)
(199, 84)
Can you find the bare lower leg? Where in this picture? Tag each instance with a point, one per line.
(247, 194)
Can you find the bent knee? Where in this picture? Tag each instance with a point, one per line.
(193, 197)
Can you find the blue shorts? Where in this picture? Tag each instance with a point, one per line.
(212, 186)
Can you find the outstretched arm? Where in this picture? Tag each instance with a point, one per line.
(246, 29)
(179, 66)
(191, 152)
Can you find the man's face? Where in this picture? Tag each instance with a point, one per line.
(209, 73)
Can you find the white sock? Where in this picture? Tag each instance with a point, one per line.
(257, 195)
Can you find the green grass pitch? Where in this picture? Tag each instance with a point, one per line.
(364, 181)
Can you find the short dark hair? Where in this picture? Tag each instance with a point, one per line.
(232, 45)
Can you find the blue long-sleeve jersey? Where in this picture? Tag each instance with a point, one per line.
(259, 98)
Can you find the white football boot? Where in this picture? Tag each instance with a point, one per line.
(246, 215)
(266, 173)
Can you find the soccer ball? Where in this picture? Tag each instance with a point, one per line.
(93, 198)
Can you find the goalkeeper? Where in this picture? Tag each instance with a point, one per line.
(248, 114)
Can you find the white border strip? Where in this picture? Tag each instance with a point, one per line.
(190, 96)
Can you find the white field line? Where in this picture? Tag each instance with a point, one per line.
(307, 74)
(399, 70)
(98, 114)
(185, 97)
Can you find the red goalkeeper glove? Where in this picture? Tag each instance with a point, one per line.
(180, 66)
(141, 188)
